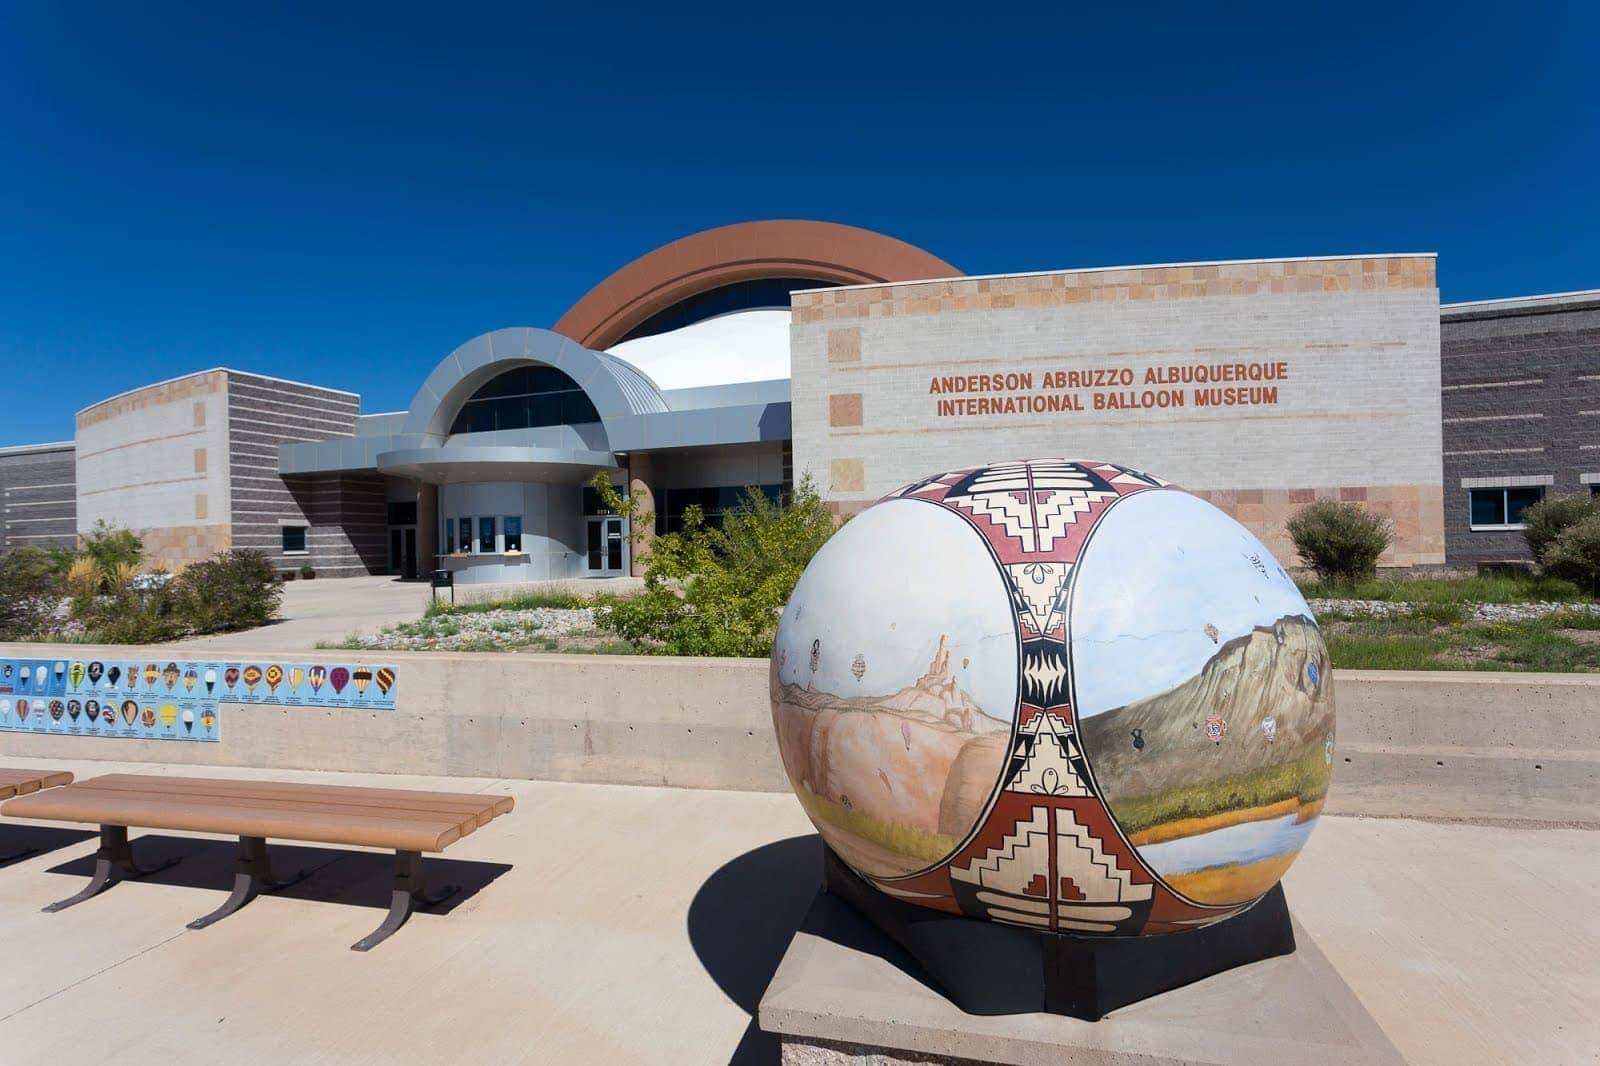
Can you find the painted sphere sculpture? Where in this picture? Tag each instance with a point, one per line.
(1058, 694)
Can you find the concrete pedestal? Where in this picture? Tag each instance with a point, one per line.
(844, 993)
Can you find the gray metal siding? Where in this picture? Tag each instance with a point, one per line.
(343, 513)
(38, 497)
(1521, 399)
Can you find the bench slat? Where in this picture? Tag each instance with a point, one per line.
(328, 797)
(16, 782)
(151, 810)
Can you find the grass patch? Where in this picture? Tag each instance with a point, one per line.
(1305, 779)
(1415, 642)
(1488, 588)
(556, 599)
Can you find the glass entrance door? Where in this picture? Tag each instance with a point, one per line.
(605, 547)
(403, 551)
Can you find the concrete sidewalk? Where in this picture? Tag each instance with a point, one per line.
(612, 924)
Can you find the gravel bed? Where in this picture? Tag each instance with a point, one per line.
(479, 630)
(1479, 612)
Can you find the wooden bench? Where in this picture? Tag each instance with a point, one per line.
(15, 782)
(409, 822)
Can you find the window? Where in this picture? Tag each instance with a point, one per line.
(294, 539)
(1502, 508)
(512, 524)
(485, 535)
(449, 536)
(402, 514)
(525, 398)
(713, 504)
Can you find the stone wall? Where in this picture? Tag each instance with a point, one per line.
(1521, 385)
(1335, 365)
(155, 460)
(38, 496)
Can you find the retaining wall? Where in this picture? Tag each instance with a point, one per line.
(1478, 746)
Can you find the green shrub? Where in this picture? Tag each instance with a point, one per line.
(31, 589)
(1575, 553)
(307, 571)
(231, 590)
(715, 591)
(1546, 520)
(1340, 541)
(109, 548)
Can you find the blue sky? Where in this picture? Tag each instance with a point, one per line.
(342, 194)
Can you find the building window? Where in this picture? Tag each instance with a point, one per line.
(294, 539)
(402, 514)
(1502, 508)
(485, 535)
(525, 398)
(449, 536)
(512, 524)
(713, 503)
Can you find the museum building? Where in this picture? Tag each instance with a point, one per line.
(745, 355)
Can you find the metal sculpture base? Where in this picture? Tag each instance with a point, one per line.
(986, 968)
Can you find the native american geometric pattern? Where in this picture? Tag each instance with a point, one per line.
(1047, 854)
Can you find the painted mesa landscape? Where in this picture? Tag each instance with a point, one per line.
(894, 782)
(1218, 780)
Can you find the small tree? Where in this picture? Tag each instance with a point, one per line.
(1574, 554)
(231, 590)
(1550, 517)
(1340, 541)
(109, 548)
(712, 591)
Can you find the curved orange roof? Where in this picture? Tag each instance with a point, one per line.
(785, 248)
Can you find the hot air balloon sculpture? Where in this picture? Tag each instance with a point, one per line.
(169, 676)
(339, 678)
(363, 678)
(385, 680)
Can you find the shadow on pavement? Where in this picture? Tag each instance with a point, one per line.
(352, 878)
(741, 922)
(20, 842)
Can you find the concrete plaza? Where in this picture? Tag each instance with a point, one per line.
(604, 923)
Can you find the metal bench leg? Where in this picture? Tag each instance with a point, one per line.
(253, 876)
(410, 888)
(112, 863)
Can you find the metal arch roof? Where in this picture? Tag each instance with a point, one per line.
(617, 390)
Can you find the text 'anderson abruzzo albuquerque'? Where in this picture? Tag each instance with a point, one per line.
(1109, 389)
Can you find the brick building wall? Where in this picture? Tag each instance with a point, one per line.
(1521, 408)
(343, 514)
(38, 496)
(892, 382)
